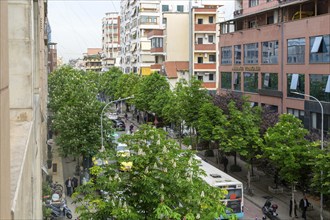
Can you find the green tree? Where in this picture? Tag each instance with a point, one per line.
(164, 183)
(211, 122)
(76, 111)
(286, 146)
(150, 92)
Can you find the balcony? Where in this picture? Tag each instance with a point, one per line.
(205, 27)
(204, 66)
(156, 67)
(205, 47)
(205, 10)
(155, 33)
(157, 50)
(209, 85)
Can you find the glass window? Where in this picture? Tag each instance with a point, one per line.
(250, 82)
(237, 81)
(320, 87)
(319, 49)
(211, 77)
(165, 8)
(210, 38)
(270, 52)
(200, 78)
(211, 19)
(200, 21)
(269, 81)
(238, 54)
(179, 8)
(251, 53)
(212, 58)
(297, 113)
(199, 59)
(226, 55)
(226, 80)
(295, 82)
(253, 3)
(296, 50)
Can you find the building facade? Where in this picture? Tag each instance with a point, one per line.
(92, 59)
(52, 57)
(271, 48)
(23, 112)
(110, 40)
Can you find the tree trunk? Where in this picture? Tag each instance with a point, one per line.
(252, 171)
(235, 159)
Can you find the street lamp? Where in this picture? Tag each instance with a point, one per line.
(118, 100)
(321, 197)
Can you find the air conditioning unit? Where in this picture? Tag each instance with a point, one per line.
(205, 35)
(205, 55)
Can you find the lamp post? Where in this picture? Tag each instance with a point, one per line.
(321, 196)
(118, 100)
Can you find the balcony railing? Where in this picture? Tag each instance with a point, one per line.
(205, 27)
(157, 50)
(156, 66)
(205, 47)
(204, 66)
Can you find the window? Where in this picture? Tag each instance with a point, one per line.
(320, 87)
(319, 49)
(295, 82)
(296, 112)
(253, 3)
(296, 50)
(211, 19)
(270, 52)
(269, 81)
(157, 42)
(148, 20)
(226, 80)
(250, 82)
(199, 21)
(200, 59)
(200, 78)
(226, 55)
(252, 24)
(237, 81)
(165, 8)
(179, 8)
(210, 38)
(238, 54)
(211, 77)
(212, 58)
(251, 53)
(270, 20)
(200, 40)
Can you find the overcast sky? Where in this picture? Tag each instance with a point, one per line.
(77, 24)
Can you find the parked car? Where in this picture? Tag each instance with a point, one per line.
(119, 124)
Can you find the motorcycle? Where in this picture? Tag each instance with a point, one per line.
(269, 210)
(59, 209)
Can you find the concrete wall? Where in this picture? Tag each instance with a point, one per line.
(177, 34)
(5, 200)
(27, 101)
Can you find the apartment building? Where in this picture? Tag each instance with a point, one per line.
(92, 59)
(23, 112)
(271, 48)
(52, 57)
(205, 45)
(110, 40)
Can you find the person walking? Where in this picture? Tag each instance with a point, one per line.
(74, 183)
(303, 205)
(295, 208)
(69, 186)
(131, 127)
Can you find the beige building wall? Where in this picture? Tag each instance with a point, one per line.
(23, 96)
(5, 200)
(179, 49)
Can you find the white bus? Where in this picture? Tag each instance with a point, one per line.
(234, 199)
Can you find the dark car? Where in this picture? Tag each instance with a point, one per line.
(119, 124)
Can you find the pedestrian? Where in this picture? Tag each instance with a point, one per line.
(69, 186)
(295, 208)
(303, 205)
(126, 116)
(131, 127)
(225, 163)
(75, 183)
(138, 118)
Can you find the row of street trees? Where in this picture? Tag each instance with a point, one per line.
(228, 122)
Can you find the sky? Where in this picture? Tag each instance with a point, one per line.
(77, 25)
